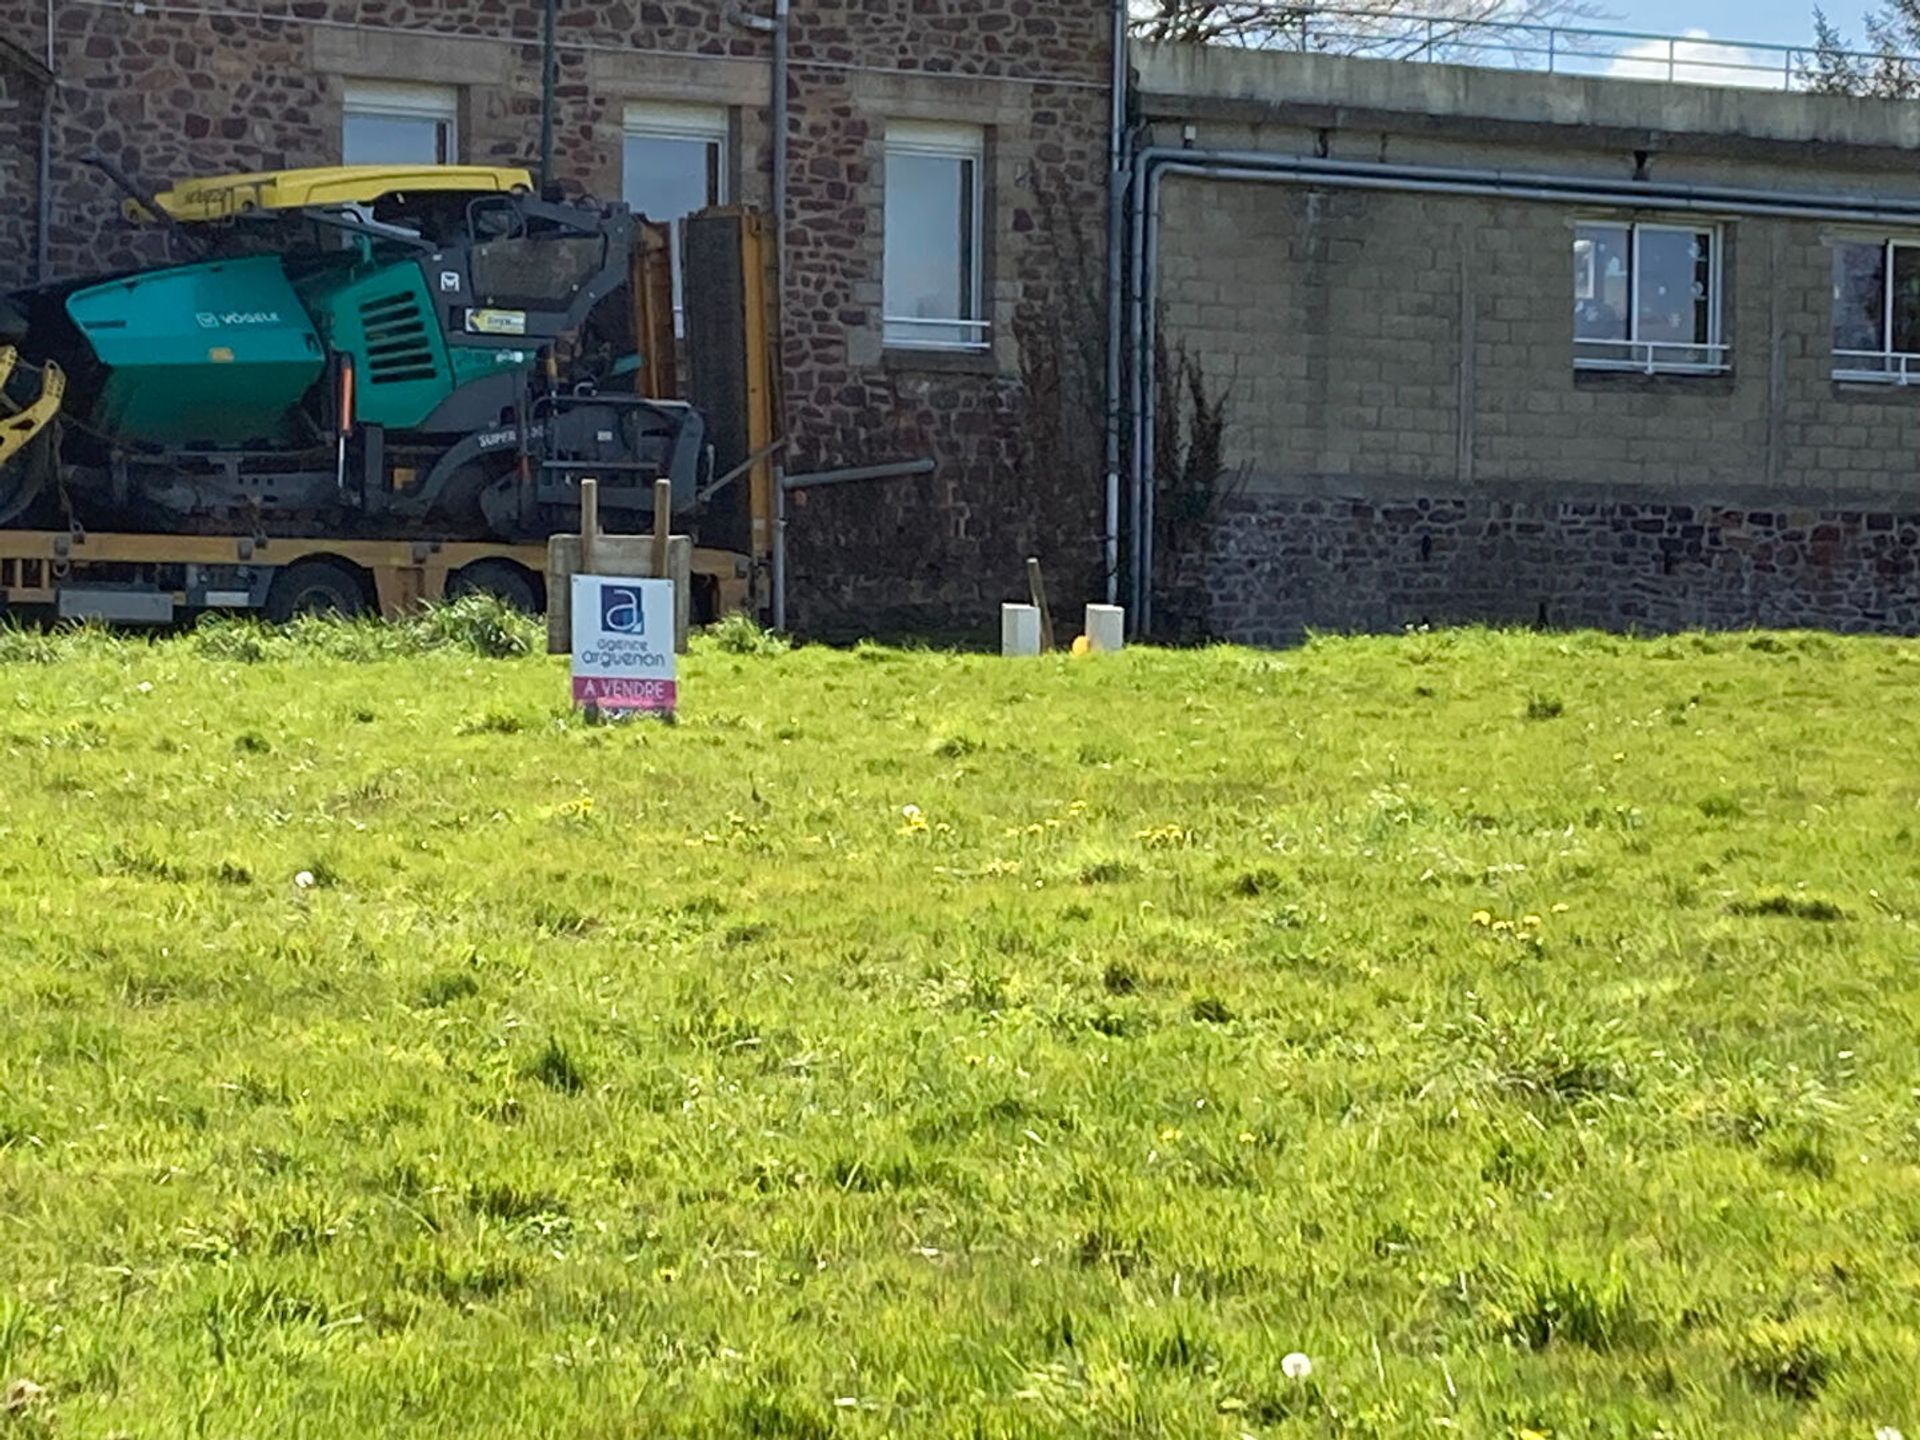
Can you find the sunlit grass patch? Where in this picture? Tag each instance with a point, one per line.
(1505, 1029)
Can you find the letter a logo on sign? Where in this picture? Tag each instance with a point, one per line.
(621, 612)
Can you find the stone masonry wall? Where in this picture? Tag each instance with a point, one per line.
(178, 90)
(1278, 565)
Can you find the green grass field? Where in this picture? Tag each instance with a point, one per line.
(1522, 1027)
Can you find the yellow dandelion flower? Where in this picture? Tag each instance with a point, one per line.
(1169, 1135)
(1561, 908)
(1247, 1137)
(1483, 917)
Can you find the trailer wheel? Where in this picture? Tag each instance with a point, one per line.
(705, 609)
(507, 582)
(314, 587)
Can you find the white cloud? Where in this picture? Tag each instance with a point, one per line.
(1698, 59)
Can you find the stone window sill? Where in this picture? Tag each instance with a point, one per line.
(1719, 382)
(939, 362)
(1855, 387)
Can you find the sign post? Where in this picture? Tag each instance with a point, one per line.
(623, 658)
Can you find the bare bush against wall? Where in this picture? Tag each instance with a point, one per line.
(1391, 28)
(1887, 72)
(1191, 482)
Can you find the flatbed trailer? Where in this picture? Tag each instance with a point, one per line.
(124, 572)
(158, 579)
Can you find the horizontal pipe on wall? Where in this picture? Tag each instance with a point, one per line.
(892, 470)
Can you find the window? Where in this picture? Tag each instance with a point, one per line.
(400, 125)
(1647, 298)
(673, 164)
(934, 291)
(1876, 312)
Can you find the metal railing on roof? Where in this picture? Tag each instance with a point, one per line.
(1571, 50)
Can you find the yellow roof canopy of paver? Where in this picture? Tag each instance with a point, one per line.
(221, 197)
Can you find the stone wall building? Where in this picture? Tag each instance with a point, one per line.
(1534, 348)
(990, 117)
(1485, 345)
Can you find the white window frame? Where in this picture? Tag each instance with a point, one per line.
(400, 100)
(701, 125)
(1897, 367)
(946, 142)
(1660, 357)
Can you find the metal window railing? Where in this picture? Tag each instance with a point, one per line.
(1877, 367)
(922, 333)
(1410, 34)
(1651, 357)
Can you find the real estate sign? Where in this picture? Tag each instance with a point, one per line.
(623, 643)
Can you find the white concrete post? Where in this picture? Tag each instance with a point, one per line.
(1106, 628)
(1019, 630)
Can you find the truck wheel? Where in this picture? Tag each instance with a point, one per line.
(509, 583)
(313, 587)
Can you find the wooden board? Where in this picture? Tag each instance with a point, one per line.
(615, 555)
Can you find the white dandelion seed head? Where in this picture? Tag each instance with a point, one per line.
(304, 880)
(1296, 1366)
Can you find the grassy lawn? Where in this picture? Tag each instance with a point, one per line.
(1521, 1027)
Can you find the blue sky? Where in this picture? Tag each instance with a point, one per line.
(1780, 22)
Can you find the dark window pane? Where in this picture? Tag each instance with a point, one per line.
(929, 249)
(368, 139)
(667, 178)
(1676, 280)
(1602, 282)
(1906, 299)
(1859, 297)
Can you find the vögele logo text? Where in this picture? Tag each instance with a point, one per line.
(209, 320)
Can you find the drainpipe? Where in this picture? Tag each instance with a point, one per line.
(549, 83)
(43, 241)
(775, 27)
(1140, 356)
(1116, 282)
(1152, 164)
(779, 120)
(779, 576)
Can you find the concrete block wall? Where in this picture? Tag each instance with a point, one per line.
(1410, 438)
